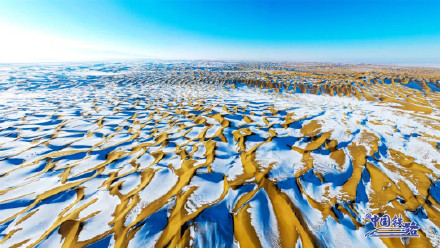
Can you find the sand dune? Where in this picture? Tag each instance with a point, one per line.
(217, 154)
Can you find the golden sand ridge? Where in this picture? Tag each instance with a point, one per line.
(215, 154)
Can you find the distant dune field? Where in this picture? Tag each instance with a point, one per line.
(217, 154)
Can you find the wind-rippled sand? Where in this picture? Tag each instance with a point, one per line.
(214, 155)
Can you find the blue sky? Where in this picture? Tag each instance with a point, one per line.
(388, 31)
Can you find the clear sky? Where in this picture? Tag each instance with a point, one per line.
(370, 31)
